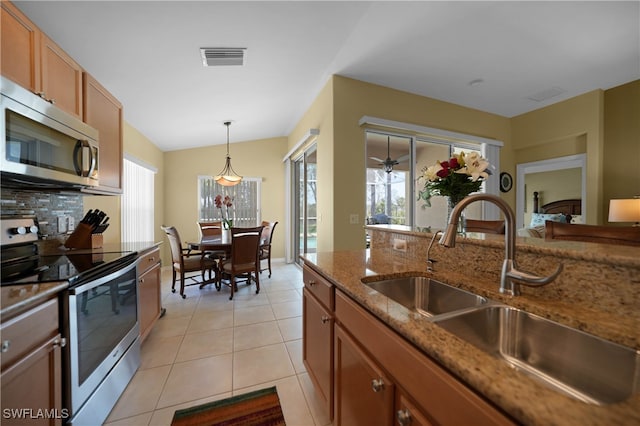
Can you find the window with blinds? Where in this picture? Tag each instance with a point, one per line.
(137, 202)
(245, 211)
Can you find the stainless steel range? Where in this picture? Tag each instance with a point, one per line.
(100, 319)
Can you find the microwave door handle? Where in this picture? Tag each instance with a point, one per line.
(79, 158)
(93, 160)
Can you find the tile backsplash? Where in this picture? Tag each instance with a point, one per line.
(47, 207)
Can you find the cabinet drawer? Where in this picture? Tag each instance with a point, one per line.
(148, 260)
(28, 330)
(318, 286)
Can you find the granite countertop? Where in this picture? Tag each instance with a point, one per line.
(524, 398)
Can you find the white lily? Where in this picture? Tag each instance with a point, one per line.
(475, 166)
(431, 173)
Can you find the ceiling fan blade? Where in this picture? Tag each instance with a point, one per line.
(403, 158)
(379, 160)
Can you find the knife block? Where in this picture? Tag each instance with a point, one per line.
(82, 238)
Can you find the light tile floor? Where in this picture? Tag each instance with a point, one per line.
(207, 348)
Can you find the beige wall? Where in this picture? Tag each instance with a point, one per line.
(573, 126)
(621, 166)
(261, 158)
(320, 116)
(354, 99)
(138, 146)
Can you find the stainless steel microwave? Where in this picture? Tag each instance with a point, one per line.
(43, 146)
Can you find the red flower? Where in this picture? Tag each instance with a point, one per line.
(453, 163)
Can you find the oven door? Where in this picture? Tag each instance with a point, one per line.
(102, 325)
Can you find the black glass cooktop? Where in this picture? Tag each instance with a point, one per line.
(64, 267)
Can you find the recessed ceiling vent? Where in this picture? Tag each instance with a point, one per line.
(546, 94)
(222, 56)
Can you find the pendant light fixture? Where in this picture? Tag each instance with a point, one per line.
(228, 176)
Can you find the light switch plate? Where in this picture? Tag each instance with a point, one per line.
(62, 224)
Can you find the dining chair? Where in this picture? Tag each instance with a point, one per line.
(245, 245)
(185, 260)
(211, 229)
(486, 226)
(265, 247)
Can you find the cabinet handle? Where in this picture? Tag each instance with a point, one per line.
(141, 280)
(5, 345)
(377, 385)
(404, 417)
(60, 342)
(312, 283)
(151, 259)
(52, 101)
(42, 95)
(324, 319)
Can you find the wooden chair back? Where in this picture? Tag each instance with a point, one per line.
(619, 235)
(245, 246)
(208, 229)
(486, 226)
(265, 247)
(175, 244)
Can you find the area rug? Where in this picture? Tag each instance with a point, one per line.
(257, 408)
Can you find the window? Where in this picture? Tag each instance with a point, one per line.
(245, 195)
(137, 202)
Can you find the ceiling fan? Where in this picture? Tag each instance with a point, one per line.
(387, 165)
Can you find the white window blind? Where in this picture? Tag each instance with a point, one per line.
(137, 202)
(246, 201)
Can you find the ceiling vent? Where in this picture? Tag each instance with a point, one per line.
(222, 56)
(546, 94)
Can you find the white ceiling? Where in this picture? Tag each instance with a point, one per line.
(147, 54)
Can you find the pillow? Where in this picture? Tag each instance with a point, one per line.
(576, 219)
(538, 219)
(531, 232)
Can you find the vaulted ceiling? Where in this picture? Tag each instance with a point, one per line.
(506, 58)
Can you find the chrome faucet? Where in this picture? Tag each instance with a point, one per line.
(431, 261)
(511, 277)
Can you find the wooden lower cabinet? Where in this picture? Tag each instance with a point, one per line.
(31, 375)
(149, 297)
(364, 393)
(381, 376)
(317, 347)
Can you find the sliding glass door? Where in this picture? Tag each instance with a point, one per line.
(305, 211)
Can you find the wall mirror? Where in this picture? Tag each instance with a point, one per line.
(554, 179)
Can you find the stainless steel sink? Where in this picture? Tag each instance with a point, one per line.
(581, 365)
(425, 295)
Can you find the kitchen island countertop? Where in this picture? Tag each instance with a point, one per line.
(523, 398)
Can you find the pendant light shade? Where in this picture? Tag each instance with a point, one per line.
(228, 176)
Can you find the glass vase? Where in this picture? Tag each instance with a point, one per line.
(453, 201)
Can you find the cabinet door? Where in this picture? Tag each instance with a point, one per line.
(407, 413)
(32, 389)
(20, 46)
(61, 78)
(317, 347)
(149, 302)
(103, 112)
(363, 393)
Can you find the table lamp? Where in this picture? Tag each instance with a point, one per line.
(626, 210)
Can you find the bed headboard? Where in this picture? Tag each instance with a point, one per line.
(567, 207)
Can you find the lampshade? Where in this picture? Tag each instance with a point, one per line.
(626, 210)
(228, 176)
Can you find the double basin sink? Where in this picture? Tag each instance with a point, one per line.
(583, 366)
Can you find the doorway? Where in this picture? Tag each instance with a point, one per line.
(305, 218)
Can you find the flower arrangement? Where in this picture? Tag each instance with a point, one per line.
(455, 178)
(227, 202)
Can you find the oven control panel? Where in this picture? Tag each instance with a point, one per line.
(17, 230)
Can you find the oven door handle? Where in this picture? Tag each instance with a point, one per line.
(111, 274)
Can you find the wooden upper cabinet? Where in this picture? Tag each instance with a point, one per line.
(103, 112)
(61, 78)
(20, 45)
(35, 62)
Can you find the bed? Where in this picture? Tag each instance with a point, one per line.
(565, 211)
